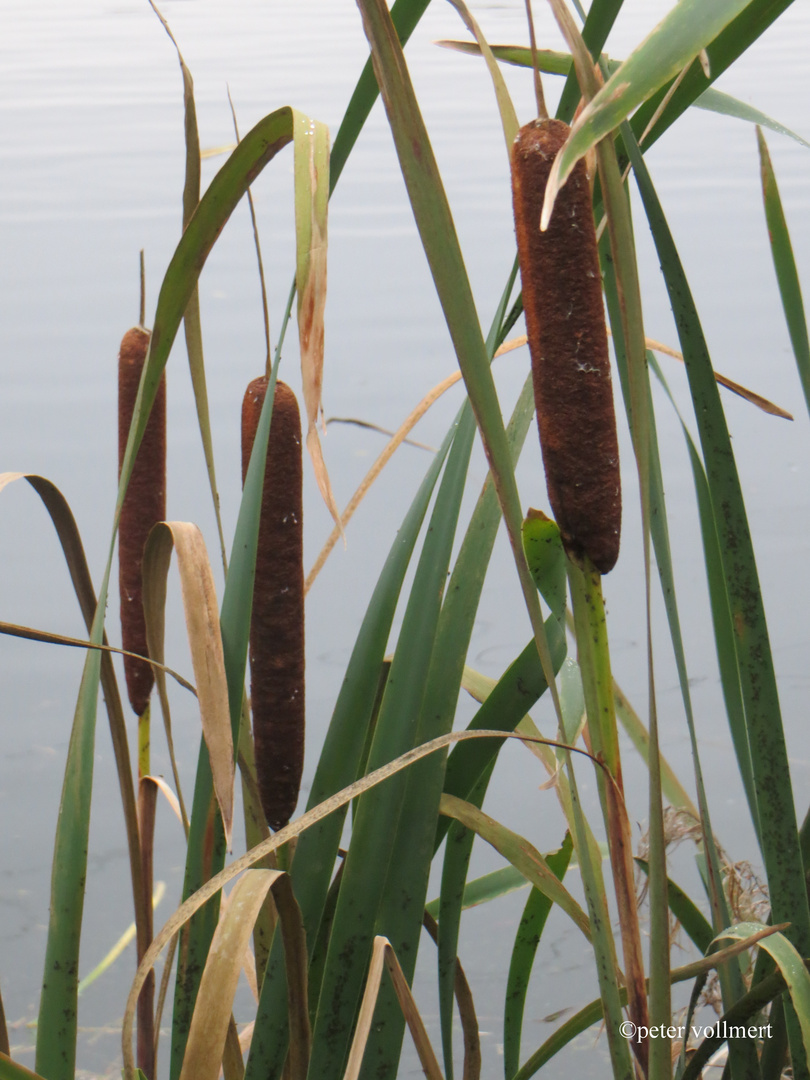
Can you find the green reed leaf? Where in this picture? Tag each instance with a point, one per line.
(524, 950)
(776, 811)
(785, 265)
(689, 27)
(338, 766)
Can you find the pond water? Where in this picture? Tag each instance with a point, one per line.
(91, 130)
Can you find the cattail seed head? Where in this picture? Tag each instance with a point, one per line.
(144, 505)
(277, 621)
(565, 324)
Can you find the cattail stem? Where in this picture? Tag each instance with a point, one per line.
(277, 621)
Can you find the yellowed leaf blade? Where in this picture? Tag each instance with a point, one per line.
(311, 146)
(212, 1012)
(427, 1058)
(154, 571)
(383, 956)
(396, 440)
(736, 388)
(520, 853)
(168, 795)
(366, 1014)
(120, 945)
(202, 626)
(248, 962)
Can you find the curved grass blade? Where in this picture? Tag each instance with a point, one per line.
(716, 101)
(790, 964)
(73, 549)
(549, 61)
(520, 853)
(212, 1013)
(557, 63)
(30, 633)
(785, 266)
(58, 1011)
(792, 975)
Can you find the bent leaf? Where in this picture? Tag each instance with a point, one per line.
(311, 140)
(212, 1013)
(205, 641)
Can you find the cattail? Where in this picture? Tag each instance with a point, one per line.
(277, 622)
(565, 323)
(145, 504)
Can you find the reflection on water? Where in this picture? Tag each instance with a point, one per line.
(91, 129)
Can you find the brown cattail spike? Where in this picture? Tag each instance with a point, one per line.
(145, 504)
(277, 622)
(565, 323)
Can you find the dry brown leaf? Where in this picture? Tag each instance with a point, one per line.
(311, 147)
(735, 388)
(212, 1011)
(202, 625)
(168, 795)
(396, 440)
(383, 956)
(657, 346)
